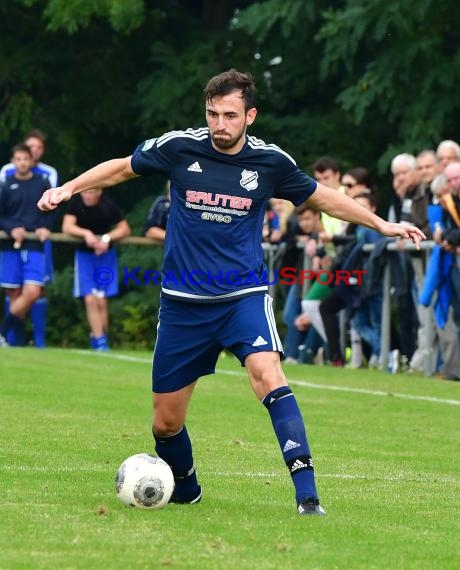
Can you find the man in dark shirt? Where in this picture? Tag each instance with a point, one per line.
(23, 267)
(95, 218)
(411, 207)
(157, 218)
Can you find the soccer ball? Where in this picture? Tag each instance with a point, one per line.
(144, 481)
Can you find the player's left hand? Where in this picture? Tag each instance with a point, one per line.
(404, 231)
(100, 247)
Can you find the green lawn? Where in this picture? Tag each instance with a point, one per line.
(386, 452)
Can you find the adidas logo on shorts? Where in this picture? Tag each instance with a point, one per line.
(259, 341)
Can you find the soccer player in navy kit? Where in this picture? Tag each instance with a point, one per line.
(221, 179)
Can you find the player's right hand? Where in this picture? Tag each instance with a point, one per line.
(91, 239)
(18, 234)
(53, 197)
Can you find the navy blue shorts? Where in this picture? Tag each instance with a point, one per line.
(23, 267)
(95, 274)
(192, 335)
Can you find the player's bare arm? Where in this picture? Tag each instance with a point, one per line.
(343, 207)
(103, 175)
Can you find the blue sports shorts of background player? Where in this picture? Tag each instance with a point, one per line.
(95, 275)
(21, 268)
(221, 179)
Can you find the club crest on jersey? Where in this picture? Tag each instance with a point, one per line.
(249, 179)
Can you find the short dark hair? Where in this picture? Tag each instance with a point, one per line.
(229, 81)
(36, 134)
(21, 147)
(326, 163)
(361, 175)
(305, 207)
(369, 197)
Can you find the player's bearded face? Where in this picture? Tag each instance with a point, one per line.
(227, 120)
(225, 140)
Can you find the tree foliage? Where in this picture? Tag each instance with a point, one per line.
(99, 76)
(394, 65)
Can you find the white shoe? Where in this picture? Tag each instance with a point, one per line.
(310, 506)
(393, 361)
(3, 343)
(319, 358)
(373, 361)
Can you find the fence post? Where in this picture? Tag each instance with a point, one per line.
(428, 364)
(386, 318)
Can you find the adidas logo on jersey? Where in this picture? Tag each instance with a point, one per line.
(290, 445)
(259, 341)
(195, 167)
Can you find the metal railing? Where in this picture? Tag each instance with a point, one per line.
(64, 238)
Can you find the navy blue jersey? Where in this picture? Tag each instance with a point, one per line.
(18, 199)
(213, 246)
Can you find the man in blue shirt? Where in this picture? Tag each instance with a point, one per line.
(214, 288)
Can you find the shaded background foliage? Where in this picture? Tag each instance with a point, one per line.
(357, 80)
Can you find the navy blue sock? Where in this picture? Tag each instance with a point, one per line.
(176, 450)
(38, 313)
(9, 334)
(99, 342)
(290, 430)
(17, 325)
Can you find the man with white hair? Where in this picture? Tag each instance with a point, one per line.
(449, 335)
(413, 197)
(448, 151)
(410, 207)
(452, 174)
(450, 201)
(452, 237)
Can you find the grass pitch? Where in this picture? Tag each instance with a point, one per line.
(386, 450)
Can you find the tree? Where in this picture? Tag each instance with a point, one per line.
(100, 76)
(395, 65)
